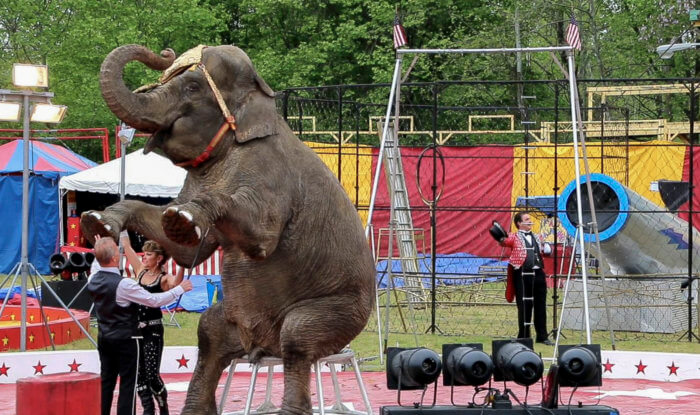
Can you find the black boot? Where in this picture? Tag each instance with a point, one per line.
(147, 402)
(162, 400)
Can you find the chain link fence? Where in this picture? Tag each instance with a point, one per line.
(470, 153)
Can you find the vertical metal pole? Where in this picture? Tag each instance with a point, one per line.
(574, 126)
(61, 231)
(122, 172)
(380, 156)
(433, 219)
(122, 194)
(340, 135)
(555, 289)
(691, 184)
(24, 264)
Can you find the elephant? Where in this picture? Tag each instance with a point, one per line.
(298, 274)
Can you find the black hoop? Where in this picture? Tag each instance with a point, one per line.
(442, 182)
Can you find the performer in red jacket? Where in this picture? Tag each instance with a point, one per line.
(525, 272)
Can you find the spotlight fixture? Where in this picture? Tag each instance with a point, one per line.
(48, 113)
(126, 134)
(77, 263)
(515, 361)
(89, 258)
(27, 75)
(57, 263)
(410, 369)
(465, 365)
(579, 365)
(9, 111)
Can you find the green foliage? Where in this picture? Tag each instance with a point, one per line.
(307, 43)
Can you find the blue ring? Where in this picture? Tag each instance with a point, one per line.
(613, 229)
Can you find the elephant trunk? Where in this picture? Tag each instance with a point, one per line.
(134, 109)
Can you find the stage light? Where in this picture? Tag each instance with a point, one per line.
(465, 365)
(9, 111)
(24, 75)
(89, 257)
(410, 369)
(76, 262)
(515, 361)
(126, 134)
(579, 365)
(48, 113)
(57, 263)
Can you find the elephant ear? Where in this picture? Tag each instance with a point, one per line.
(258, 117)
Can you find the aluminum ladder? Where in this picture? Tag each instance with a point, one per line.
(403, 221)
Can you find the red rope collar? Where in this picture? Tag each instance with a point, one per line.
(229, 123)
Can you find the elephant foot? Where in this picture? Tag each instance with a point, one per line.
(94, 223)
(256, 354)
(180, 227)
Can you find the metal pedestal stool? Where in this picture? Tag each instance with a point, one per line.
(267, 407)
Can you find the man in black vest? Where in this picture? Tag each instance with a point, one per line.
(116, 300)
(529, 279)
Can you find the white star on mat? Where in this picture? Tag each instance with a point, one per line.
(178, 386)
(652, 393)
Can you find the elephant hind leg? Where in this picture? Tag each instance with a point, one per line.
(297, 399)
(219, 343)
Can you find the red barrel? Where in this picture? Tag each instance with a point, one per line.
(59, 394)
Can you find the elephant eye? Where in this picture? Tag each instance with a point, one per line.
(192, 87)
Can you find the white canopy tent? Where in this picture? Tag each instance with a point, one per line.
(146, 175)
(149, 175)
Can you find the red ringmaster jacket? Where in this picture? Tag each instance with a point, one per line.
(518, 253)
(517, 257)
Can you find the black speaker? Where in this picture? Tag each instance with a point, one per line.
(66, 291)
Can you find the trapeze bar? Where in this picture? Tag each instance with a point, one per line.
(502, 50)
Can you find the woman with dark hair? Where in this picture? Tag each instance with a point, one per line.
(150, 274)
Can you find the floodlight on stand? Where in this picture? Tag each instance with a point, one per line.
(9, 111)
(24, 75)
(411, 369)
(465, 365)
(579, 365)
(515, 361)
(126, 134)
(48, 113)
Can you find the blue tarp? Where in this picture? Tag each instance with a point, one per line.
(545, 204)
(201, 297)
(47, 163)
(454, 269)
(43, 221)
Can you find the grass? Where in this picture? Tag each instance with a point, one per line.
(471, 314)
(366, 345)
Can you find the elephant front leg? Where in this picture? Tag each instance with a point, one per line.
(143, 218)
(218, 343)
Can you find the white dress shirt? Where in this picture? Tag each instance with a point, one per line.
(129, 291)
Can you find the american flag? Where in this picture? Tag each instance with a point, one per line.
(399, 33)
(572, 35)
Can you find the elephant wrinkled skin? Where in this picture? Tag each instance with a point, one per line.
(297, 272)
